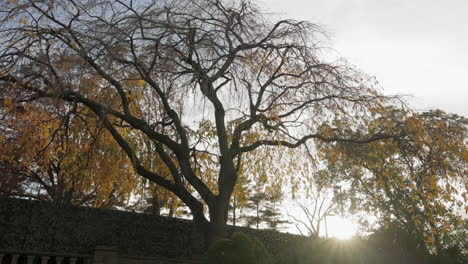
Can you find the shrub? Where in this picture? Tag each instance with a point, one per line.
(239, 249)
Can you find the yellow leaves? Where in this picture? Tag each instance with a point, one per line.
(65, 65)
(440, 124)
(445, 226)
(252, 136)
(430, 240)
(465, 196)
(334, 156)
(433, 183)
(134, 81)
(31, 34)
(415, 125)
(381, 182)
(141, 83)
(464, 154)
(7, 104)
(326, 131)
(86, 158)
(23, 21)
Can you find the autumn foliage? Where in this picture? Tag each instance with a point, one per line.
(203, 103)
(418, 181)
(61, 155)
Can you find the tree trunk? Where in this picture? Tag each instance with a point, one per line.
(155, 205)
(219, 206)
(318, 228)
(234, 212)
(213, 229)
(171, 208)
(216, 230)
(258, 215)
(217, 225)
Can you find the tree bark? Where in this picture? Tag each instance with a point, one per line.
(218, 218)
(155, 205)
(234, 204)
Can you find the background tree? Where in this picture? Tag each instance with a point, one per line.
(272, 214)
(317, 200)
(263, 209)
(243, 69)
(63, 156)
(419, 181)
(457, 242)
(318, 206)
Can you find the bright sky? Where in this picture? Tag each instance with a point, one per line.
(415, 47)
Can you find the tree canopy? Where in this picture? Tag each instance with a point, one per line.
(159, 70)
(418, 182)
(64, 158)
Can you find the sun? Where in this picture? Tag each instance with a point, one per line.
(341, 228)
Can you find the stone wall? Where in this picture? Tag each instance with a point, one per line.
(38, 226)
(101, 236)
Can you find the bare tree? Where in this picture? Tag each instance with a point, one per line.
(187, 61)
(316, 210)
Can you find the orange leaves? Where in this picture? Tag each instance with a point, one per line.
(420, 174)
(334, 156)
(433, 184)
(135, 83)
(402, 185)
(7, 104)
(430, 240)
(73, 151)
(326, 131)
(464, 154)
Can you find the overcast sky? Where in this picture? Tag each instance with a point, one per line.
(417, 47)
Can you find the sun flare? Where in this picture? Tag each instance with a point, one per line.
(341, 228)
